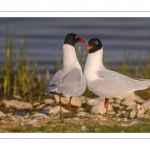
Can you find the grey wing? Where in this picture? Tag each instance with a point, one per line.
(68, 84)
(112, 84)
(73, 84)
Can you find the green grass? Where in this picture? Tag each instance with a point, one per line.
(19, 77)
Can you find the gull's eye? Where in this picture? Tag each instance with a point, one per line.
(96, 43)
(76, 37)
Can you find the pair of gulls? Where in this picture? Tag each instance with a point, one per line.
(69, 80)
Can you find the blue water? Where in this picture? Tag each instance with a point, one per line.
(44, 36)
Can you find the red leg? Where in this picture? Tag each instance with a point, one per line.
(69, 104)
(106, 104)
(60, 104)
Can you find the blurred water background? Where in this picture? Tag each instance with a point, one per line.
(44, 37)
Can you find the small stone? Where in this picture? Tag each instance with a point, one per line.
(115, 106)
(118, 100)
(33, 121)
(45, 111)
(128, 102)
(80, 109)
(82, 114)
(16, 105)
(138, 111)
(129, 108)
(129, 96)
(40, 115)
(139, 100)
(76, 101)
(48, 101)
(20, 113)
(84, 128)
(111, 100)
(121, 107)
(92, 102)
(1, 114)
(132, 114)
(111, 112)
(146, 105)
(56, 110)
(41, 106)
(100, 109)
(35, 104)
(7, 118)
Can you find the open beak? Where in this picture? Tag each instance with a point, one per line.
(89, 47)
(82, 41)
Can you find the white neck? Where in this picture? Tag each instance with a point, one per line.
(69, 57)
(93, 63)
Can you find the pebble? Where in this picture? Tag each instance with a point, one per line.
(146, 105)
(92, 102)
(138, 111)
(80, 109)
(48, 101)
(99, 108)
(129, 108)
(20, 113)
(118, 100)
(46, 111)
(1, 114)
(35, 104)
(40, 115)
(82, 114)
(115, 106)
(84, 128)
(128, 102)
(76, 101)
(111, 112)
(56, 110)
(41, 106)
(16, 104)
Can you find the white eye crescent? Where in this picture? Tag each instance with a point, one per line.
(96, 43)
(76, 36)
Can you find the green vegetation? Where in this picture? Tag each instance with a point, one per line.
(19, 77)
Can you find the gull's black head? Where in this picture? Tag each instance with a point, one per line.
(72, 39)
(94, 45)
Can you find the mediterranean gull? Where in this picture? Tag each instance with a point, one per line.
(107, 83)
(69, 80)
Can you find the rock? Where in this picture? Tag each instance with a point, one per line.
(48, 101)
(1, 114)
(80, 109)
(128, 102)
(76, 101)
(111, 100)
(129, 108)
(100, 109)
(146, 105)
(40, 116)
(82, 114)
(118, 100)
(115, 106)
(33, 121)
(20, 113)
(121, 107)
(35, 104)
(8, 118)
(92, 101)
(84, 128)
(16, 105)
(132, 114)
(111, 112)
(45, 111)
(56, 110)
(48, 107)
(41, 106)
(139, 100)
(130, 96)
(138, 111)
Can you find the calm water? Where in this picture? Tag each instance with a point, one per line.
(45, 36)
